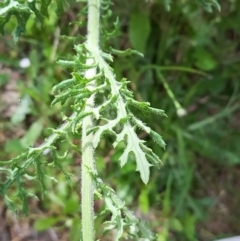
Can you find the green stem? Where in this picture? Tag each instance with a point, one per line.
(88, 163)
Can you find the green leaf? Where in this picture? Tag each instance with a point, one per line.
(140, 124)
(144, 201)
(145, 107)
(126, 52)
(139, 30)
(22, 110)
(13, 146)
(204, 60)
(21, 11)
(175, 225)
(64, 84)
(78, 118)
(75, 230)
(154, 159)
(45, 223)
(158, 139)
(72, 204)
(133, 146)
(32, 134)
(157, 111)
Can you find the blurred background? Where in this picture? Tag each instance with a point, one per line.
(191, 69)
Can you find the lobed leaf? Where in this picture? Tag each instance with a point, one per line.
(133, 146)
(121, 216)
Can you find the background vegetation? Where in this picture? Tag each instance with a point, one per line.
(188, 49)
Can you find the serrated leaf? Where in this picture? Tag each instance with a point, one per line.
(141, 105)
(133, 146)
(145, 107)
(157, 111)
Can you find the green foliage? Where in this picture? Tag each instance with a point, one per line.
(137, 228)
(17, 9)
(81, 89)
(139, 29)
(22, 10)
(201, 145)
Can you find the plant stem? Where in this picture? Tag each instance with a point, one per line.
(88, 163)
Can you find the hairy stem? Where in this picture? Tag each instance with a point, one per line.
(88, 163)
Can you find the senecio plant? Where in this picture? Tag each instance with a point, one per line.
(101, 105)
